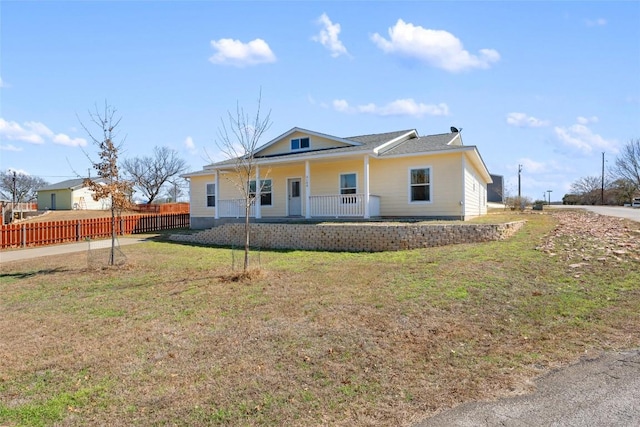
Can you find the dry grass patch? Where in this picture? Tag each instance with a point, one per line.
(175, 337)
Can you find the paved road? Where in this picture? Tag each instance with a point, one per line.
(619, 211)
(600, 392)
(29, 253)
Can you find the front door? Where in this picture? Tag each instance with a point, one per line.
(295, 201)
(53, 201)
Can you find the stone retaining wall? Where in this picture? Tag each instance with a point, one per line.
(355, 237)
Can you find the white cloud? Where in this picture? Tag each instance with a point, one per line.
(35, 133)
(586, 120)
(399, 107)
(9, 147)
(2, 83)
(328, 36)
(583, 139)
(63, 139)
(31, 132)
(236, 53)
(436, 47)
(600, 22)
(522, 120)
(190, 146)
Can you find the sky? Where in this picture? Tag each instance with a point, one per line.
(549, 86)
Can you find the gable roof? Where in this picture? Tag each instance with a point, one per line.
(382, 145)
(70, 184)
(305, 131)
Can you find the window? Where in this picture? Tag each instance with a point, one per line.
(420, 185)
(300, 143)
(348, 186)
(265, 191)
(211, 195)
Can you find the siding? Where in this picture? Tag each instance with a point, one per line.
(390, 180)
(316, 143)
(198, 196)
(475, 192)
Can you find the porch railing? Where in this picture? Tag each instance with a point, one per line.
(327, 206)
(343, 205)
(234, 208)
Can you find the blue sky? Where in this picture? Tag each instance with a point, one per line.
(546, 85)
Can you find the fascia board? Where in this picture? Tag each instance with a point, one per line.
(392, 143)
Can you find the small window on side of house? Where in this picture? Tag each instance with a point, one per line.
(211, 195)
(420, 185)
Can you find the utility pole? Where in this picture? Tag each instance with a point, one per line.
(13, 205)
(549, 191)
(519, 187)
(602, 189)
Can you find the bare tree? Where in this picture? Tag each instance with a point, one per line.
(627, 164)
(112, 186)
(19, 187)
(151, 174)
(176, 188)
(588, 189)
(238, 140)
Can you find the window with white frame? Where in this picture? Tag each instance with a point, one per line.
(348, 187)
(265, 191)
(420, 185)
(211, 195)
(300, 143)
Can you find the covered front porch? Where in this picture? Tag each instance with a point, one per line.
(327, 206)
(286, 191)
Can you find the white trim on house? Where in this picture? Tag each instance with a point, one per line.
(394, 142)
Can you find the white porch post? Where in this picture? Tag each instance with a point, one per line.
(307, 190)
(216, 195)
(258, 209)
(366, 187)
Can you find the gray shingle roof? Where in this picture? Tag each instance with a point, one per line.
(423, 144)
(70, 184)
(369, 142)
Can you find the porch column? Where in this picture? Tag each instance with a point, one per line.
(307, 190)
(258, 210)
(216, 195)
(366, 187)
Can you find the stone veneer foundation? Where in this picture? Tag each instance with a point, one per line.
(352, 237)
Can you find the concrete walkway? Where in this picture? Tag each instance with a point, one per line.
(29, 253)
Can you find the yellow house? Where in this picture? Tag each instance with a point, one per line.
(68, 195)
(308, 174)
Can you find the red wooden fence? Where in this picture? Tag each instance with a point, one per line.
(52, 232)
(163, 208)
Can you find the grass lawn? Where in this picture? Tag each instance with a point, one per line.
(314, 338)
